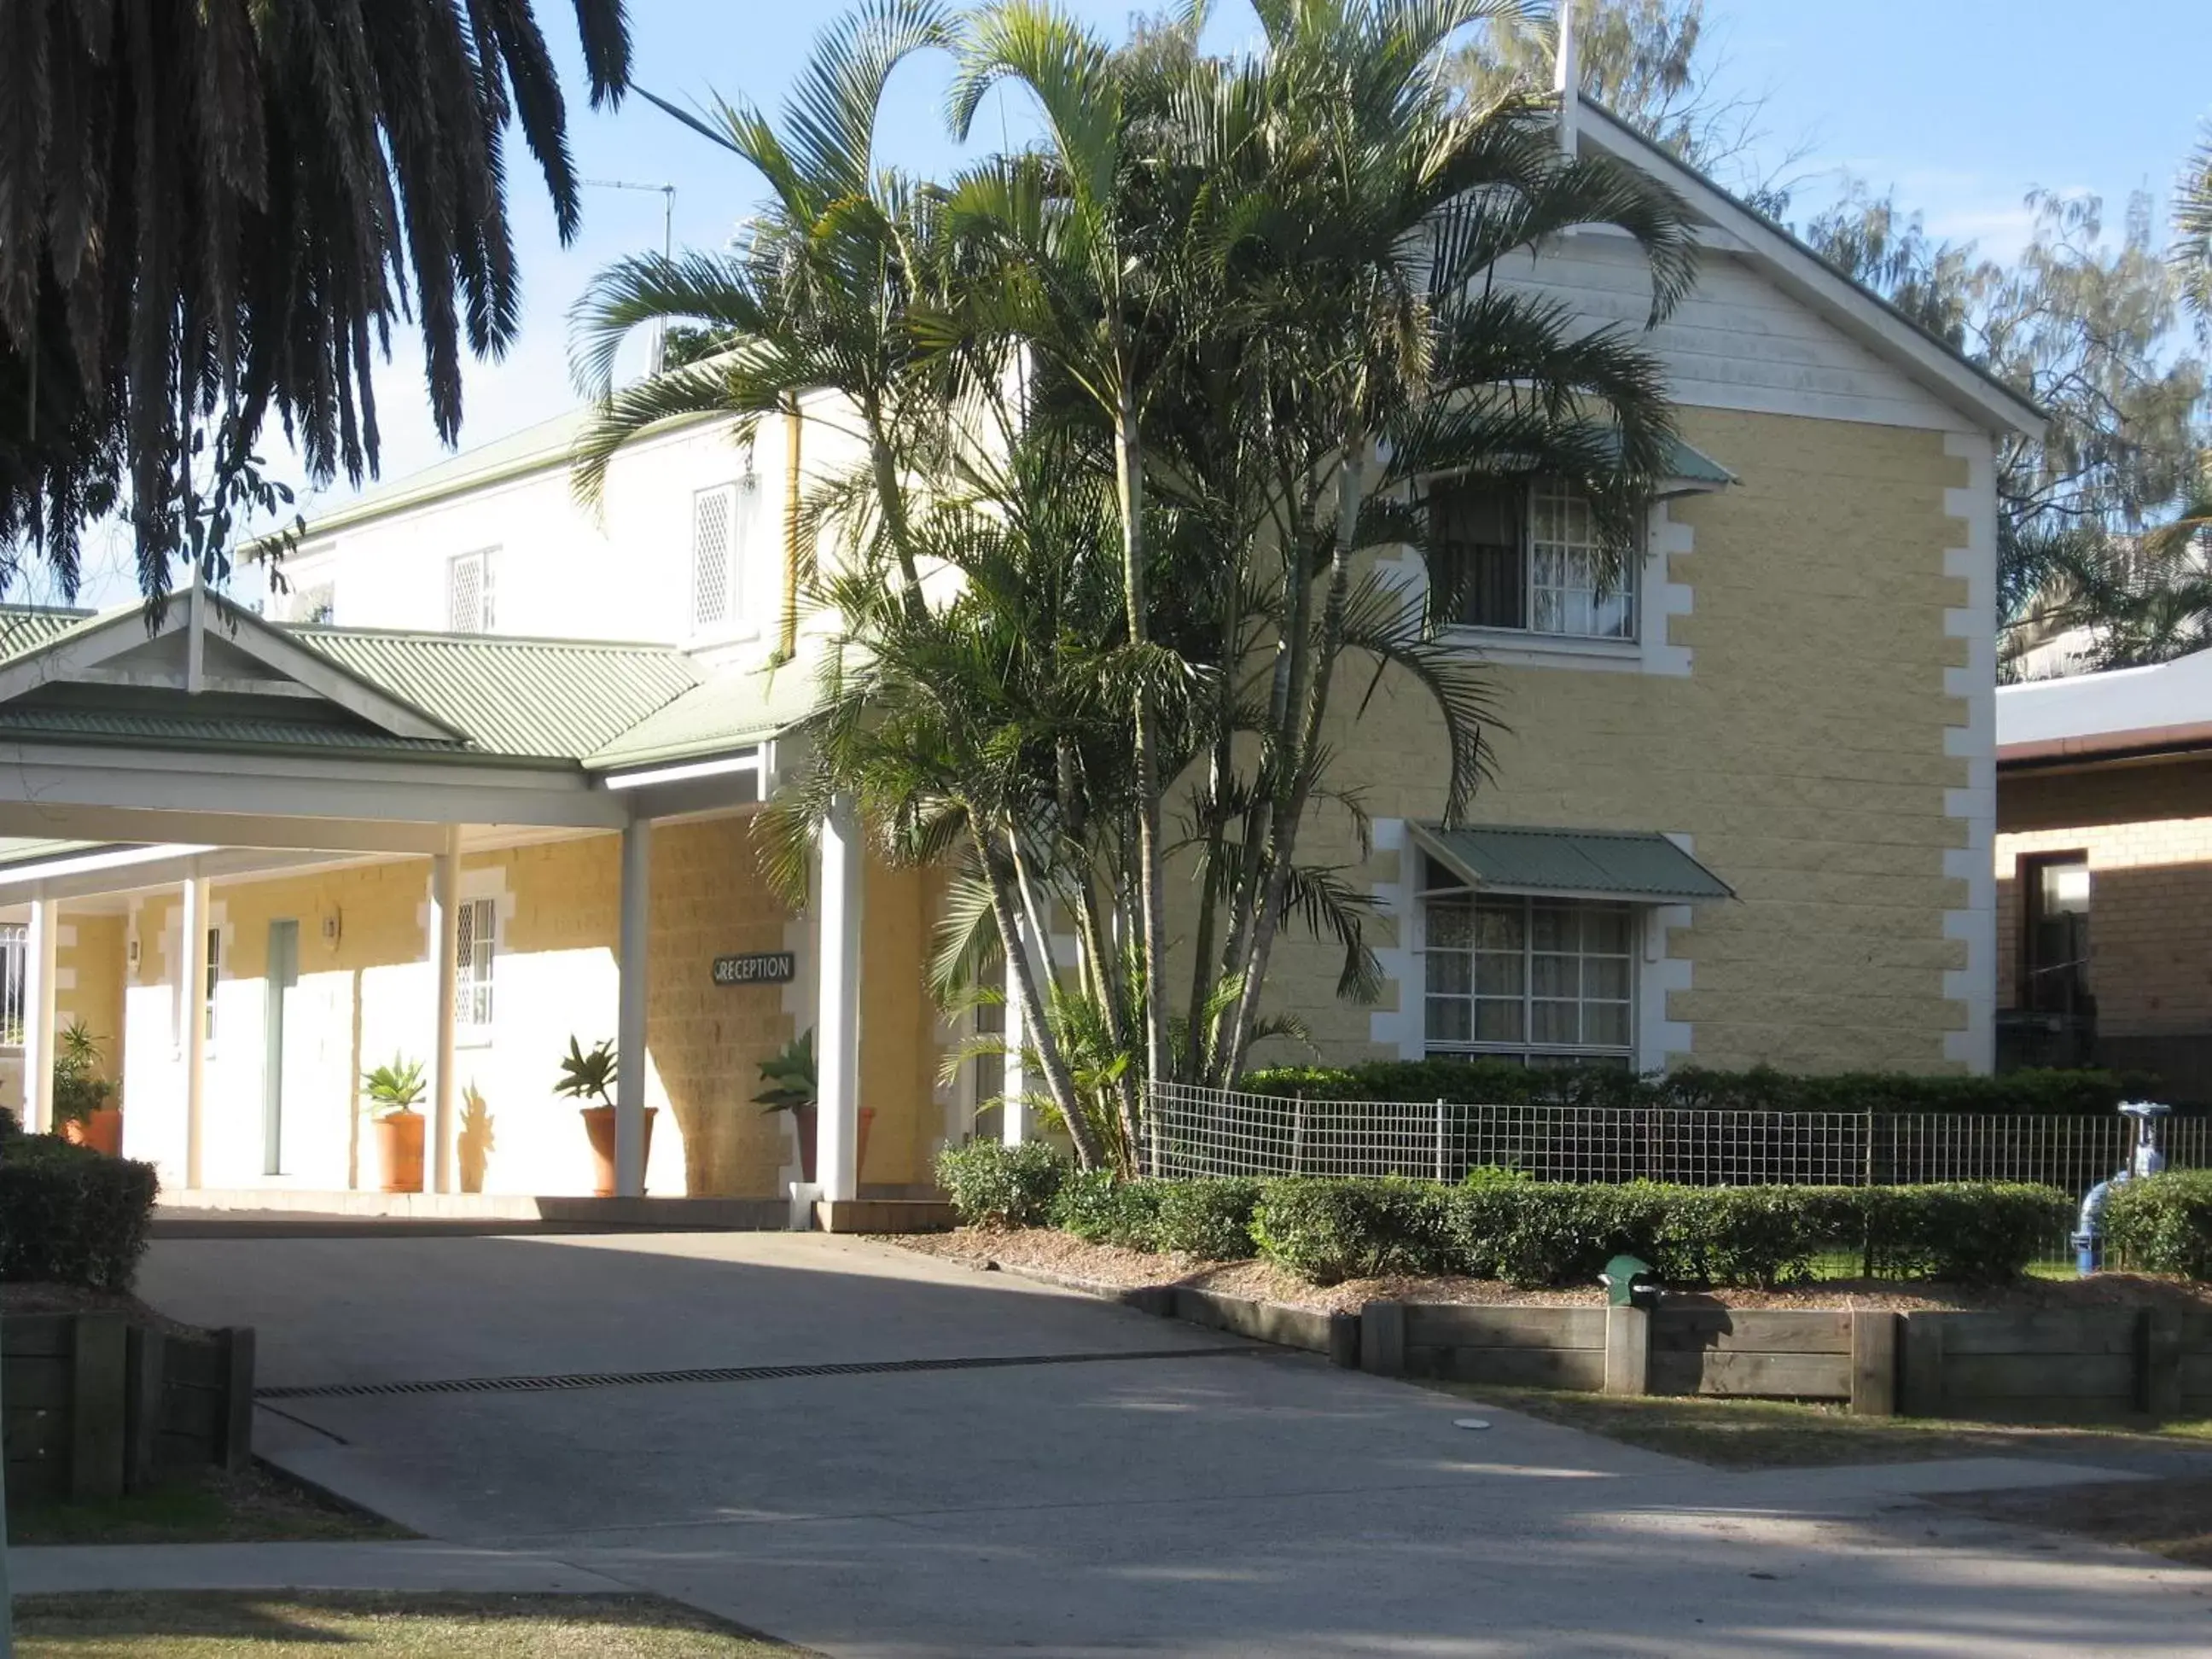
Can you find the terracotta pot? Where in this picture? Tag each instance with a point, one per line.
(400, 1150)
(599, 1127)
(807, 1121)
(102, 1132)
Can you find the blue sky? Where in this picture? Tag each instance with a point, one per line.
(1961, 105)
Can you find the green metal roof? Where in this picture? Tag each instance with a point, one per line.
(1623, 864)
(543, 699)
(730, 710)
(1691, 465)
(25, 628)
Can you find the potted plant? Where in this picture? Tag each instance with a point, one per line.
(793, 1087)
(81, 1094)
(392, 1091)
(591, 1078)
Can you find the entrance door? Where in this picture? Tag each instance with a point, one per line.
(283, 974)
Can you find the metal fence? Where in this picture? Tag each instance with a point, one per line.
(1212, 1132)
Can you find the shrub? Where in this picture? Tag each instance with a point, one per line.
(1099, 1207)
(1328, 1230)
(71, 1216)
(993, 1185)
(1210, 1219)
(2162, 1223)
(1755, 1235)
(1489, 1082)
(1964, 1232)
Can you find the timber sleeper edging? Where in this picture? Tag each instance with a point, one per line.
(1986, 1364)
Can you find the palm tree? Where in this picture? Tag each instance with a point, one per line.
(211, 211)
(2191, 252)
(818, 292)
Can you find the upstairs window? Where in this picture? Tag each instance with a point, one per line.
(720, 519)
(1509, 554)
(469, 594)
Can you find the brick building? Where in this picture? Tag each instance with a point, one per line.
(2104, 867)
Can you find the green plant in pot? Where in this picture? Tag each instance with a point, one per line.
(794, 1086)
(589, 1077)
(392, 1092)
(81, 1113)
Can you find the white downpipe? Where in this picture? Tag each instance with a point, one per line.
(635, 946)
(445, 940)
(38, 985)
(837, 1018)
(193, 929)
(1014, 1125)
(1566, 78)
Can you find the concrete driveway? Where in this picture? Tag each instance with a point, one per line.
(1131, 1486)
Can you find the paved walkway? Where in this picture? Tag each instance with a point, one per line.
(1197, 1501)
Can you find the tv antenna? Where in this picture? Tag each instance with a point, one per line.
(667, 194)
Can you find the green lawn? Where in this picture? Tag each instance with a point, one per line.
(257, 1506)
(306, 1624)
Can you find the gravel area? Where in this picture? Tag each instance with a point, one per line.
(1107, 1267)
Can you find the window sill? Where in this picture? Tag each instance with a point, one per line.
(1518, 645)
(472, 1038)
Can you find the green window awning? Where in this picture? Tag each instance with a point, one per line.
(1633, 865)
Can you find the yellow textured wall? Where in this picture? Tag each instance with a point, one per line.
(89, 966)
(1805, 755)
(364, 992)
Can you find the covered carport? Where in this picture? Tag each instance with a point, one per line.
(210, 743)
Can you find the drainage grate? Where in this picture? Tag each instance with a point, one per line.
(719, 1374)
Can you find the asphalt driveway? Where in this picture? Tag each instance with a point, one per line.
(1101, 1483)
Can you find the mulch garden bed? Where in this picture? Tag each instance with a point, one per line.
(1107, 1267)
(43, 1299)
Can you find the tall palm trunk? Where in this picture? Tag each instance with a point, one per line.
(1152, 857)
(1006, 912)
(1310, 720)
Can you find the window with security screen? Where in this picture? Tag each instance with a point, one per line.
(1507, 554)
(720, 517)
(476, 934)
(468, 598)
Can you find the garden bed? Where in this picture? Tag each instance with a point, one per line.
(1109, 1267)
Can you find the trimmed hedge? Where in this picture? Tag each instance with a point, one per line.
(993, 1185)
(1531, 1232)
(2162, 1223)
(1499, 1224)
(71, 1216)
(1499, 1082)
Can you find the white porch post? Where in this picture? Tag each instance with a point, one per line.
(39, 1014)
(837, 1028)
(444, 930)
(632, 947)
(1014, 1127)
(192, 928)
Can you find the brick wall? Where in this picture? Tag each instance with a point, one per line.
(2146, 830)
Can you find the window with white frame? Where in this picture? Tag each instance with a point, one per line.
(214, 977)
(1524, 977)
(721, 518)
(469, 607)
(1510, 554)
(476, 934)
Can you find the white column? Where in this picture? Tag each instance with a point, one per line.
(633, 946)
(837, 1028)
(38, 1015)
(1014, 1126)
(192, 930)
(445, 938)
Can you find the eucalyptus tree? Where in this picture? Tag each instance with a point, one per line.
(213, 211)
